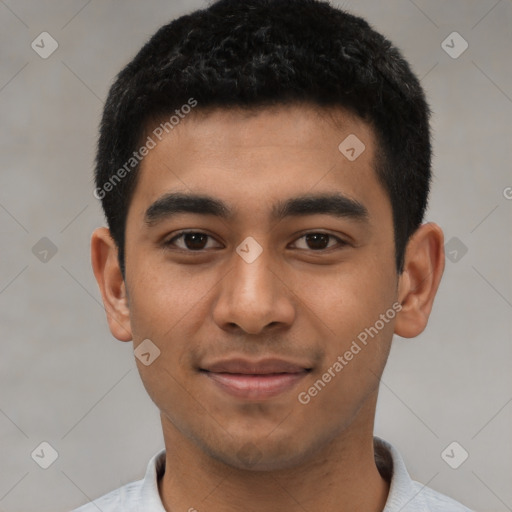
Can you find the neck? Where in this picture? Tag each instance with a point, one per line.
(341, 477)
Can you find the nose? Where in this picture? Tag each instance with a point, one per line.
(253, 297)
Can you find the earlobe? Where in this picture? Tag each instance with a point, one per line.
(419, 282)
(108, 274)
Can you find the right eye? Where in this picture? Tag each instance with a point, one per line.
(191, 241)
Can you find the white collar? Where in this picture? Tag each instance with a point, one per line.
(405, 495)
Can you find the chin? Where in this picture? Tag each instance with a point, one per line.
(261, 455)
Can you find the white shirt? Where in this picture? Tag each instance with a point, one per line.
(405, 495)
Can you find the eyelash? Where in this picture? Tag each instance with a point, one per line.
(181, 234)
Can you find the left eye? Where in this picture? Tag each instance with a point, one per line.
(319, 241)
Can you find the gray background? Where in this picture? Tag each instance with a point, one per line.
(65, 380)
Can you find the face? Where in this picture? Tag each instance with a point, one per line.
(257, 256)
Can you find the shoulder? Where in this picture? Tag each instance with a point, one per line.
(140, 495)
(124, 499)
(405, 494)
(437, 502)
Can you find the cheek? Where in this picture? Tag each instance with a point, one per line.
(350, 371)
(162, 307)
(349, 300)
(356, 337)
(164, 299)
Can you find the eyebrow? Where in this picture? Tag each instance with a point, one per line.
(335, 204)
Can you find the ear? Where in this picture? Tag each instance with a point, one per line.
(418, 284)
(108, 274)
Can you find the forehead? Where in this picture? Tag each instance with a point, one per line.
(251, 159)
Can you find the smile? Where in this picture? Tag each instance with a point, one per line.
(256, 386)
(255, 380)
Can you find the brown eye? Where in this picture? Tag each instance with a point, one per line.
(191, 241)
(319, 241)
(195, 241)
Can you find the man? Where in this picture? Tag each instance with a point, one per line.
(264, 168)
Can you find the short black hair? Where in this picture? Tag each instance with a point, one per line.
(255, 54)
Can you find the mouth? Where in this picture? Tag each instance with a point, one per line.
(255, 380)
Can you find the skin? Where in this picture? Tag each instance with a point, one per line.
(294, 301)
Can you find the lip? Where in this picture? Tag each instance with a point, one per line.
(255, 380)
(261, 367)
